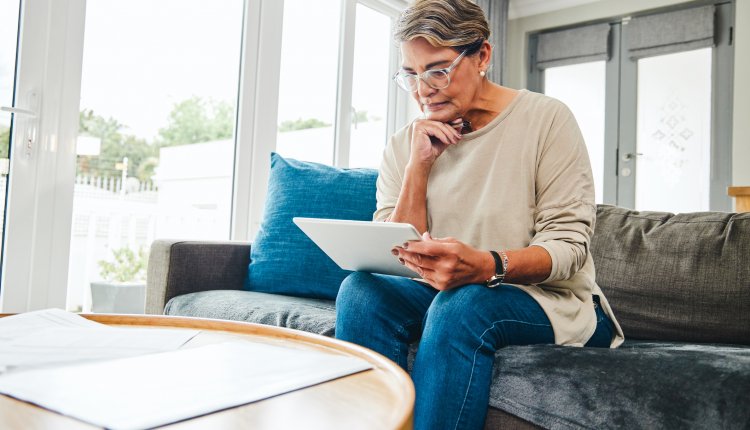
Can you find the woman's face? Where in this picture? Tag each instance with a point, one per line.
(453, 101)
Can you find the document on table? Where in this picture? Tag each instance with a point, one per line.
(158, 389)
(54, 336)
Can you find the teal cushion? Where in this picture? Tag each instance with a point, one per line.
(283, 260)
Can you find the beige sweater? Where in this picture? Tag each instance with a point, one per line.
(523, 179)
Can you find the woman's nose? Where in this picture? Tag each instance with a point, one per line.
(423, 89)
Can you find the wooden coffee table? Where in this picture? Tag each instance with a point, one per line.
(381, 398)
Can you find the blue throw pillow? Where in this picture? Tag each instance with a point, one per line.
(283, 260)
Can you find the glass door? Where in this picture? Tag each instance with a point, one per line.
(673, 137)
(9, 10)
(155, 147)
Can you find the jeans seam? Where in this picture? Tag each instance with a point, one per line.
(403, 332)
(474, 361)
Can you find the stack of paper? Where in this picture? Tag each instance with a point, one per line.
(154, 390)
(48, 355)
(53, 337)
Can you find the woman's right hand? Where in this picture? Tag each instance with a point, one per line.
(430, 138)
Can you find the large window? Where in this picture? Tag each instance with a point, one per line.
(308, 79)
(372, 46)
(155, 150)
(140, 112)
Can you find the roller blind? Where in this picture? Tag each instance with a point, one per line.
(670, 32)
(573, 46)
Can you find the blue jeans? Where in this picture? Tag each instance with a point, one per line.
(460, 331)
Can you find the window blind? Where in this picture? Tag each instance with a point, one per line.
(670, 32)
(573, 46)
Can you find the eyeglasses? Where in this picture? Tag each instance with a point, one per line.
(437, 79)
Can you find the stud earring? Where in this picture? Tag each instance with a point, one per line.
(481, 73)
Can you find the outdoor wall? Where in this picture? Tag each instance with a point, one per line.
(516, 57)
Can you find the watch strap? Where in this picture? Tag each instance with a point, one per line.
(501, 265)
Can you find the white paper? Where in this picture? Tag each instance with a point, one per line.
(54, 337)
(158, 389)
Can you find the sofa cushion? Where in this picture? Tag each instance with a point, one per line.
(283, 260)
(310, 315)
(675, 277)
(640, 385)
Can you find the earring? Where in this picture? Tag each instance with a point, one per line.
(481, 73)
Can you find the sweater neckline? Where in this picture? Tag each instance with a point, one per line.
(496, 120)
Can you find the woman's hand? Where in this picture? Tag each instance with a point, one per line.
(446, 263)
(430, 138)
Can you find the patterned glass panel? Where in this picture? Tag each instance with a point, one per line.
(674, 132)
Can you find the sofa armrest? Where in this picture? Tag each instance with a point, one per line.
(177, 267)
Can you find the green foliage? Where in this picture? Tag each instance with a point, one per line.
(190, 121)
(128, 266)
(359, 116)
(4, 141)
(115, 146)
(195, 120)
(301, 124)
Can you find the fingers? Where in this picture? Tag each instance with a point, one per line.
(432, 247)
(443, 132)
(423, 272)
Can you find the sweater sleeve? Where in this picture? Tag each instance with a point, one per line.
(565, 209)
(388, 184)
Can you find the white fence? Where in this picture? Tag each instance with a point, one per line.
(106, 217)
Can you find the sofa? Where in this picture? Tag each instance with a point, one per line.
(679, 285)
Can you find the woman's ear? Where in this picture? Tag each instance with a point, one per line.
(485, 54)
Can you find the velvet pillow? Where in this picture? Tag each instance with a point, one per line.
(283, 260)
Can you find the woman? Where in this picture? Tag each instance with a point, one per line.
(499, 183)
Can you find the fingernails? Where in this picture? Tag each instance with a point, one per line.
(394, 251)
(401, 260)
(406, 245)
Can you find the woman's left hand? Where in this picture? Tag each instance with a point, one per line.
(446, 263)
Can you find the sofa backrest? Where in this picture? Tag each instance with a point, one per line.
(683, 277)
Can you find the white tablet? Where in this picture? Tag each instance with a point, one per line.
(360, 245)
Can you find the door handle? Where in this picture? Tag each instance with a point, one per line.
(26, 142)
(19, 111)
(630, 155)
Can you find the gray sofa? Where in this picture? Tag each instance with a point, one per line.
(679, 285)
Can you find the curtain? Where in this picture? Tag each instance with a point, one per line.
(670, 32)
(497, 17)
(573, 46)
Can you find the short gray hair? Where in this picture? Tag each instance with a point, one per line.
(458, 24)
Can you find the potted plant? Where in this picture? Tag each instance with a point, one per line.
(123, 286)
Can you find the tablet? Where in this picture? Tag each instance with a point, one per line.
(361, 245)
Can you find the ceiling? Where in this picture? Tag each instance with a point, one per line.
(522, 8)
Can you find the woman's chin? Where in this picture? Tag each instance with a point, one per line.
(442, 115)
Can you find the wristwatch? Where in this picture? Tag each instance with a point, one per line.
(501, 266)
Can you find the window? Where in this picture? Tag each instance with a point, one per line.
(155, 151)
(141, 112)
(582, 87)
(372, 46)
(308, 80)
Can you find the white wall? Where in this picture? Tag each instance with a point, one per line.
(516, 58)
(741, 127)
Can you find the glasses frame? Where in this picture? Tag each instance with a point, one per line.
(424, 75)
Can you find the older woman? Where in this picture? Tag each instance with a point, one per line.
(499, 183)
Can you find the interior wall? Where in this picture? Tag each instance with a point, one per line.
(516, 63)
(741, 122)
